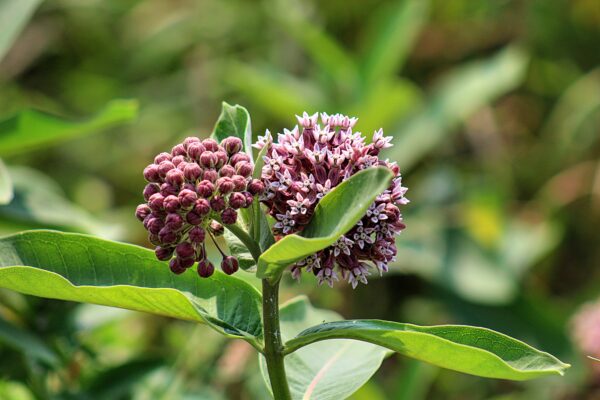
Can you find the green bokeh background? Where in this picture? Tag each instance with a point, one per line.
(495, 111)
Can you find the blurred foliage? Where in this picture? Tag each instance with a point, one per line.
(495, 112)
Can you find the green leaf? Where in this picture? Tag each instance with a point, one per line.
(30, 129)
(6, 186)
(459, 95)
(329, 370)
(335, 215)
(234, 121)
(39, 200)
(14, 15)
(395, 30)
(26, 342)
(472, 350)
(82, 268)
(239, 250)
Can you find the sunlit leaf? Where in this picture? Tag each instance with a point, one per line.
(234, 121)
(82, 268)
(14, 15)
(30, 129)
(335, 215)
(329, 370)
(471, 350)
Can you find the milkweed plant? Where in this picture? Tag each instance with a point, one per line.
(317, 199)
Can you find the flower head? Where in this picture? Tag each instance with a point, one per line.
(190, 192)
(307, 162)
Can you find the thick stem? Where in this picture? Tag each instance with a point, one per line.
(273, 350)
(246, 239)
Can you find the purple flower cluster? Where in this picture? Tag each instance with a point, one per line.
(192, 190)
(585, 330)
(307, 162)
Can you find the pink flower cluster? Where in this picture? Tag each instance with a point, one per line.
(307, 162)
(191, 191)
(585, 330)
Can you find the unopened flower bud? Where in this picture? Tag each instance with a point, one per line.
(192, 172)
(205, 189)
(227, 170)
(210, 144)
(197, 235)
(208, 159)
(162, 157)
(151, 173)
(229, 265)
(174, 221)
(193, 218)
(181, 166)
(163, 253)
(186, 262)
(216, 228)
(225, 185)
(256, 187)
(244, 169)
(167, 236)
(156, 202)
(154, 225)
(217, 203)
(185, 250)
(239, 183)
(229, 216)
(221, 158)
(175, 177)
(237, 200)
(150, 189)
(171, 203)
(232, 144)
(167, 189)
(177, 160)
(176, 267)
(152, 238)
(249, 199)
(165, 167)
(202, 207)
(178, 150)
(238, 158)
(205, 268)
(189, 140)
(210, 175)
(195, 150)
(187, 198)
(142, 211)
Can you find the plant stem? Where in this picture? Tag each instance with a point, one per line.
(273, 350)
(241, 234)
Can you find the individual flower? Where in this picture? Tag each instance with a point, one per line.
(307, 162)
(191, 192)
(585, 331)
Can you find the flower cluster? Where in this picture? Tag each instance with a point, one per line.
(192, 190)
(585, 330)
(307, 162)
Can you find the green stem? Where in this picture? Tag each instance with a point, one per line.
(273, 350)
(241, 234)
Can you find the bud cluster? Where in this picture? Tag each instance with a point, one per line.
(303, 166)
(191, 191)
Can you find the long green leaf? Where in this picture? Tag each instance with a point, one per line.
(30, 129)
(329, 370)
(234, 121)
(335, 215)
(82, 268)
(476, 351)
(460, 94)
(396, 29)
(6, 186)
(14, 15)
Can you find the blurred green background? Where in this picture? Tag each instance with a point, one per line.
(495, 111)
